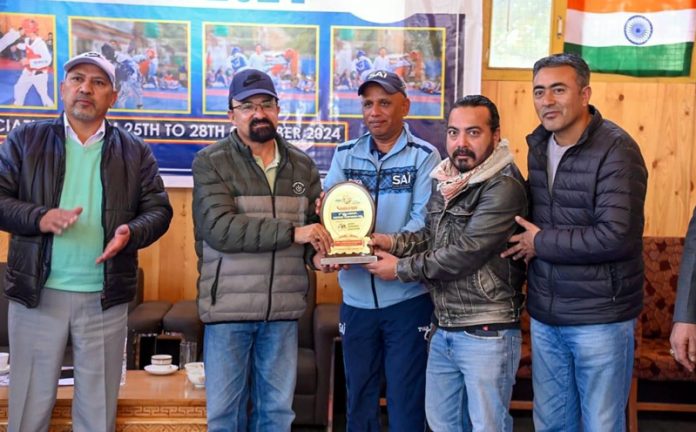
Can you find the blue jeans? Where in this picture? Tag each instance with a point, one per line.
(257, 358)
(581, 376)
(469, 380)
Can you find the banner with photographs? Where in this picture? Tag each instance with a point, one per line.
(175, 60)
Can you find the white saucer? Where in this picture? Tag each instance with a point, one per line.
(159, 370)
(5, 370)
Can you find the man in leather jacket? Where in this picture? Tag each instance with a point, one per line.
(475, 348)
(79, 197)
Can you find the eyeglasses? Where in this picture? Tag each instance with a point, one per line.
(250, 107)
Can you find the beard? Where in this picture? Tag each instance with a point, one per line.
(262, 130)
(461, 165)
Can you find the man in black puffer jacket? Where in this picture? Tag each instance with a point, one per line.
(79, 197)
(583, 245)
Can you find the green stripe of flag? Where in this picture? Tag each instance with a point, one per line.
(656, 60)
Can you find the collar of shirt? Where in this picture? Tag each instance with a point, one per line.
(70, 133)
(274, 163)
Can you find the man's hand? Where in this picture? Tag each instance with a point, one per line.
(525, 241)
(58, 220)
(315, 234)
(316, 260)
(683, 342)
(381, 241)
(385, 267)
(120, 240)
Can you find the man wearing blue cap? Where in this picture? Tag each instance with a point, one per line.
(254, 219)
(384, 324)
(68, 187)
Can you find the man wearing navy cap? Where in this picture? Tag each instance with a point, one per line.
(384, 324)
(254, 220)
(79, 197)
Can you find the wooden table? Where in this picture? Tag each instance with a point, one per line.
(145, 403)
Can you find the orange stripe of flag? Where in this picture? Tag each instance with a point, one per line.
(607, 6)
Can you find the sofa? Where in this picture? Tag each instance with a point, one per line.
(318, 328)
(653, 362)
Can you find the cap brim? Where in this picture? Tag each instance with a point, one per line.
(252, 92)
(385, 85)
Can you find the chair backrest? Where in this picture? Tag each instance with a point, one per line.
(306, 322)
(662, 257)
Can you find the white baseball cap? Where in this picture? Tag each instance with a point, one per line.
(95, 58)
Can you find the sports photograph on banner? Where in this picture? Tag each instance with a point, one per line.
(151, 58)
(27, 53)
(175, 60)
(288, 53)
(415, 54)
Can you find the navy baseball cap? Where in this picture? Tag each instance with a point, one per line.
(389, 81)
(251, 82)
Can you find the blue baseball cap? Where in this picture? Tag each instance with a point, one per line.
(251, 82)
(389, 81)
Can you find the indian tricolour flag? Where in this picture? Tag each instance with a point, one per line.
(632, 37)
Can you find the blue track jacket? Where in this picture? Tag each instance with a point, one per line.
(400, 184)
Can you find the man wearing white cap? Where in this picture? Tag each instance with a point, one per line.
(79, 197)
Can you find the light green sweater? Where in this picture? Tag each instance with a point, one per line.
(74, 252)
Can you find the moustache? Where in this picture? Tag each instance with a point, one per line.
(464, 152)
(257, 122)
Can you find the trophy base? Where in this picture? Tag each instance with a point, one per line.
(348, 259)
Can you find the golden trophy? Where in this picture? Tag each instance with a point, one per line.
(348, 214)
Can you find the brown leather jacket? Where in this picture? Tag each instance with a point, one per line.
(457, 254)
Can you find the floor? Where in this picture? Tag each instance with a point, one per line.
(647, 422)
(684, 392)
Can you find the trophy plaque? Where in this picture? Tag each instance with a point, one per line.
(348, 214)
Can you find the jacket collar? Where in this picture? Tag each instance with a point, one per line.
(363, 144)
(243, 149)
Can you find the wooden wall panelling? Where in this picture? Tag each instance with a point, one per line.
(664, 130)
(170, 263)
(4, 245)
(517, 115)
(328, 290)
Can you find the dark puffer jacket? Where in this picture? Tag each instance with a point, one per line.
(250, 269)
(32, 171)
(589, 266)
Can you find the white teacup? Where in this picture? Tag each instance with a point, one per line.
(4, 360)
(161, 360)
